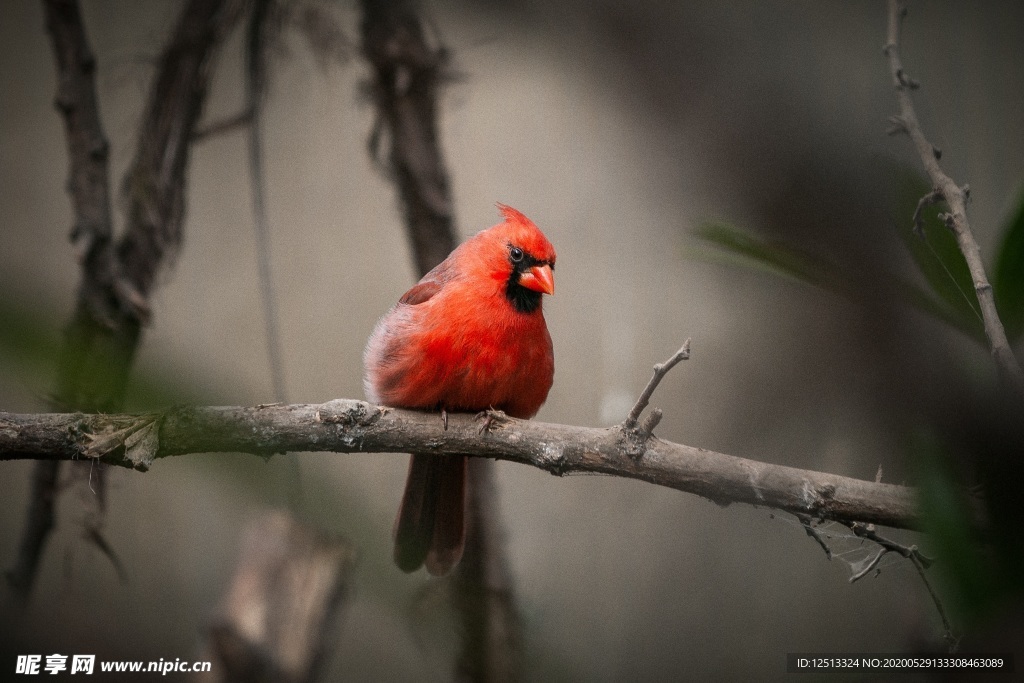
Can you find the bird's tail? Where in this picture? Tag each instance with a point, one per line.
(431, 524)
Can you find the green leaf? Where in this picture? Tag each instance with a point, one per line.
(31, 346)
(1008, 278)
(790, 262)
(772, 256)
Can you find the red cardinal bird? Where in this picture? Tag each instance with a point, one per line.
(469, 336)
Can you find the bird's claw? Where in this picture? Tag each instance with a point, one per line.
(489, 417)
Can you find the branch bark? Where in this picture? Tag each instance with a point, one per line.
(350, 426)
(955, 197)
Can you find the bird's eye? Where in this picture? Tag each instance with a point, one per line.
(516, 254)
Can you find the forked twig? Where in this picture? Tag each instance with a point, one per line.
(660, 370)
(920, 562)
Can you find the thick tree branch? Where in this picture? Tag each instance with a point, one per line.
(954, 196)
(350, 426)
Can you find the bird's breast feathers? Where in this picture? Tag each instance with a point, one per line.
(460, 355)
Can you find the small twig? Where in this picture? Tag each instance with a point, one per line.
(650, 422)
(871, 565)
(805, 520)
(956, 199)
(920, 562)
(950, 639)
(908, 551)
(660, 370)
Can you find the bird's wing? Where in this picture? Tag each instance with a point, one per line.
(420, 292)
(431, 284)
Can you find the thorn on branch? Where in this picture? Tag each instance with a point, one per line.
(906, 81)
(936, 152)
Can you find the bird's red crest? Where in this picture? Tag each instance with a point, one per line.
(513, 215)
(526, 234)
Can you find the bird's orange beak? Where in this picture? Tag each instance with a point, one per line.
(539, 279)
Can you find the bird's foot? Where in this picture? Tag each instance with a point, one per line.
(489, 417)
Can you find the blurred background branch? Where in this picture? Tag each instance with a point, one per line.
(117, 278)
(88, 186)
(281, 616)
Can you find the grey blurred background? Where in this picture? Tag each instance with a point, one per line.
(619, 129)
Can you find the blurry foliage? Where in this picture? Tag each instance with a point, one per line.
(1008, 278)
(968, 573)
(30, 346)
(978, 443)
(949, 295)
